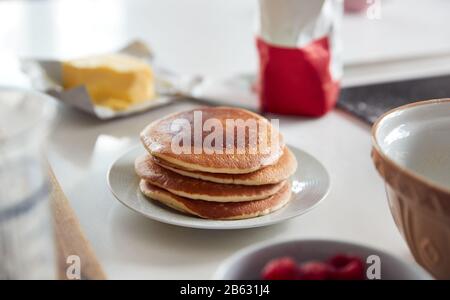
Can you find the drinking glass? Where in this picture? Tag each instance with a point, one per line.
(27, 247)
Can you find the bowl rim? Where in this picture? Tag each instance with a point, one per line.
(404, 170)
(250, 249)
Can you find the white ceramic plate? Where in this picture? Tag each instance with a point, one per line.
(310, 184)
(248, 263)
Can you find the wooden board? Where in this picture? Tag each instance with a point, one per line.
(70, 239)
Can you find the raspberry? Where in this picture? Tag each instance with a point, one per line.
(347, 267)
(340, 260)
(315, 270)
(280, 269)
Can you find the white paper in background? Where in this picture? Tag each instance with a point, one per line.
(296, 23)
(45, 76)
(233, 91)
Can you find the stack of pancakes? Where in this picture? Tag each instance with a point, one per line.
(225, 185)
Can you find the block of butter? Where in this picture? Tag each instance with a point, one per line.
(116, 81)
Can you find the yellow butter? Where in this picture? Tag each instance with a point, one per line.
(116, 81)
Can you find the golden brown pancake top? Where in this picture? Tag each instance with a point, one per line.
(158, 136)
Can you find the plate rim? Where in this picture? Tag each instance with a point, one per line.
(230, 226)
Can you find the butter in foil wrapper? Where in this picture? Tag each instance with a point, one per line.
(46, 76)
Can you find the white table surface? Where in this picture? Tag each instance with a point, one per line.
(212, 38)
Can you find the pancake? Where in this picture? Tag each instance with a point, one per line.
(216, 210)
(281, 170)
(233, 157)
(199, 189)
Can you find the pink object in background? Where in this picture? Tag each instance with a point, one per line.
(356, 6)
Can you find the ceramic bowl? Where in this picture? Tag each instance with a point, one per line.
(248, 263)
(411, 151)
